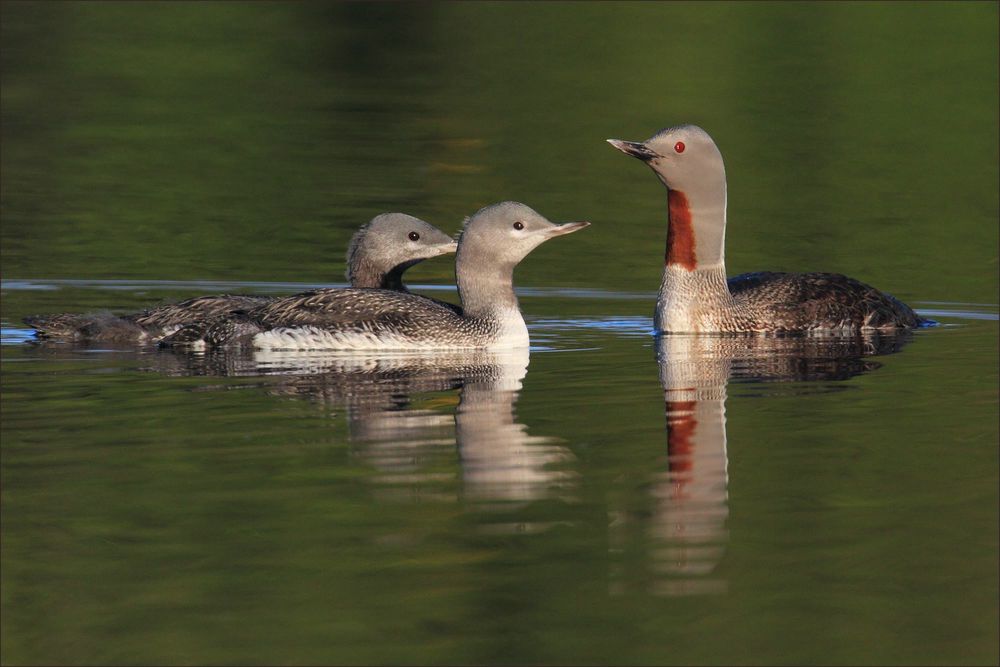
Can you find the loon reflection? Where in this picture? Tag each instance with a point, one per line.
(392, 405)
(688, 528)
(500, 460)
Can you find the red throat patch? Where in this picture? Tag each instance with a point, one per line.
(681, 426)
(680, 233)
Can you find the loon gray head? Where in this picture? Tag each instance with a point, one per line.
(689, 164)
(381, 251)
(494, 240)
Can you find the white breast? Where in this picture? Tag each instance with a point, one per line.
(513, 331)
(513, 334)
(315, 338)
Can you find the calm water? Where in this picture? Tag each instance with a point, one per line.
(608, 498)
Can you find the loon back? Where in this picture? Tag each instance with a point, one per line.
(355, 319)
(93, 326)
(173, 314)
(769, 301)
(138, 327)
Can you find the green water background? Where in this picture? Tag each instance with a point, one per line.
(248, 141)
(154, 519)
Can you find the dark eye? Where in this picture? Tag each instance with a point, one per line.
(414, 236)
(679, 147)
(518, 225)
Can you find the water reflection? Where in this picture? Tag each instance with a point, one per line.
(442, 428)
(691, 505)
(392, 406)
(501, 461)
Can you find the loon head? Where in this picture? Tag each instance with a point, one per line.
(683, 157)
(689, 164)
(503, 234)
(383, 249)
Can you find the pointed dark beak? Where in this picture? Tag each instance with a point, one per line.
(635, 149)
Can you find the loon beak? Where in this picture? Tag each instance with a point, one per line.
(566, 228)
(635, 149)
(449, 248)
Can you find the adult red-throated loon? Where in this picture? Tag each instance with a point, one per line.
(695, 295)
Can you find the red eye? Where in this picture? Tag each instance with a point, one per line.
(679, 147)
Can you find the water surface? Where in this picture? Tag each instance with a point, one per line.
(608, 498)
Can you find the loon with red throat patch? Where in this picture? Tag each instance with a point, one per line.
(695, 295)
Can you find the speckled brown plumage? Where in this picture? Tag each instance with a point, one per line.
(149, 324)
(82, 327)
(768, 301)
(365, 312)
(199, 307)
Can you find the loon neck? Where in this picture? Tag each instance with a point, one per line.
(486, 288)
(689, 298)
(696, 228)
(364, 274)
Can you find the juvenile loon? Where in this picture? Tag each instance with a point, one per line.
(381, 251)
(493, 242)
(695, 295)
(377, 256)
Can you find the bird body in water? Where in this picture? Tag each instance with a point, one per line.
(695, 295)
(377, 256)
(493, 242)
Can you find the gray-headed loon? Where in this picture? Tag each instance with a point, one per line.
(695, 295)
(378, 255)
(493, 242)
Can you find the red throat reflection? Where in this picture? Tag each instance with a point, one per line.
(681, 425)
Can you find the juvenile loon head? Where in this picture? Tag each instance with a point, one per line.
(689, 164)
(494, 240)
(503, 234)
(383, 249)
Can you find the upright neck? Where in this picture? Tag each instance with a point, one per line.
(694, 273)
(696, 228)
(485, 288)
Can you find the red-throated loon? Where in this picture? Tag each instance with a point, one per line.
(695, 295)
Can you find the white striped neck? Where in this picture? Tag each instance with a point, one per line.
(690, 299)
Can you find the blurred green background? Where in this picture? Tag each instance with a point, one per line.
(246, 141)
